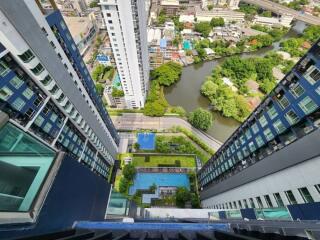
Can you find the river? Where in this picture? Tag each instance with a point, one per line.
(186, 92)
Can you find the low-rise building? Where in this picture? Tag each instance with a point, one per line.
(226, 14)
(284, 21)
(186, 18)
(171, 7)
(83, 31)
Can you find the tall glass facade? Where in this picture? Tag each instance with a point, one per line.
(24, 164)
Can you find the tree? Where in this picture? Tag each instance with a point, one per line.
(167, 73)
(210, 7)
(154, 109)
(182, 196)
(94, 4)
(204, 28)
(195, 201)
(99, 88)
(136, 146)
(123, 185)
(177, 110)
(217, 22)
(129, 172)
(98, 72)
(312, 33)
(117, 92)
(201, 119)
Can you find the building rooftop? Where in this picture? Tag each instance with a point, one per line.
(77, 25)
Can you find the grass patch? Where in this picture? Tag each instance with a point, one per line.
(156, 161)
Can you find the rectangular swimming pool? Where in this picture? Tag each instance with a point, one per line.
(145, 180)
(147, 141)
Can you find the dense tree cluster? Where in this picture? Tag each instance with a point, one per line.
(204, 28)
(117, 92)
(167, 74)
(217, 22)
(201, 119)
(128, 174)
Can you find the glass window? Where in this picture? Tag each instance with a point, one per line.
(268, 201)
(252, 205)
(37, 69)
(28, 93)
(18, 104)
(278, 199)
(63, 25)
(292, 117)
(268, 134)
(297, 90)
(307, 105)
(259, 141)
(283, 102)
(16, 82)
(272, 112)
(53, 117)
(252, 147)
(47, 127)
(260, 205)
(291, 198)
(317, 186)
(4, 70)
(245, 203)
(24, 163)
(38, 121)
(312, 75)
(255, 128)
(47, 80)
(318, 90)
(263, 121)
(278, 125)
(306, 195)
(5, 93)
(27, 56)
(248, 134)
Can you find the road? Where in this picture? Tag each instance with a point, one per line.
(135, 121)
(280, 9)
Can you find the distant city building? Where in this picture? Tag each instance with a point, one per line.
(232, 4)
(83, 31)
(283, 21)
(226, 14)
(127, 28)
(57, 142)
(272, 159)
(170, 7)
(72, 7)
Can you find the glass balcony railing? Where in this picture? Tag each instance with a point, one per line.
(24, 164)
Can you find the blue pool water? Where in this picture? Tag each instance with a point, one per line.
(186, 45)
(145, 180)
(147, 141)
(116, 82)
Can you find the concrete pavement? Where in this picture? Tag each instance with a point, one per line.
(280, 9)
(136, 121)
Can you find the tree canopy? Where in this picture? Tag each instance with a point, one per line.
(182, 196)
(217, 22)
(129, 172)
(204, 28)
(167, 73)
(201, 119)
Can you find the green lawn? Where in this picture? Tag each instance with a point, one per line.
(164, 161)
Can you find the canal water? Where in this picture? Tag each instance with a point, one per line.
(186, 92)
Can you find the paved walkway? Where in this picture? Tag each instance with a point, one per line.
(136, 121)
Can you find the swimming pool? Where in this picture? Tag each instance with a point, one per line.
(147, 141)
(145, 180)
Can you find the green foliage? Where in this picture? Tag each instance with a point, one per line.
(136, 146)
(201, 119)
(297, 4)
(153, 188)
(204, 28)
(266, 14)
(117, 92)
(129, 172)
(99, 88)
(94, 4)
(123, 185)
(312, 33)
(161, 17)
(217, 22)
(177, 110)
(178, 25)
(182, 196)
(167, 73)
(99, 72)
(156, 104)
(210, 7)
(261, 28)
(195, 201)
(293, 46)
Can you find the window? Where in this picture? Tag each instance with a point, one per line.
(16, 82)
(306, 195)
(317, 186)
(252, 147)
(27, 56)
(63, 25)
(252, 205)
(283, 102)
(259, 202)
(240, 204)
(3, 69)
(52, 44)
(312, 75)
(291, 198)
(268, 201)
(268, 134)
(272, 112)
(263, 121)
(46, 80)
(278, 199)
(110, 21)
(248, 134)
(28, 93)
(245, 203)
(278, 125)
(5, 93)
(37, 69)
(292, 117)
(255, 128)
(47, 127)
(68, 36)
(18, 104)
(108, 14)
(307, 105)
(297, 90)
(38, 121)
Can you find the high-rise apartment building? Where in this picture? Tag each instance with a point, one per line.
(126, 23)
(54, 128)
(273, 158)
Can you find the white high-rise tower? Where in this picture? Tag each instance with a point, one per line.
(126, 22)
